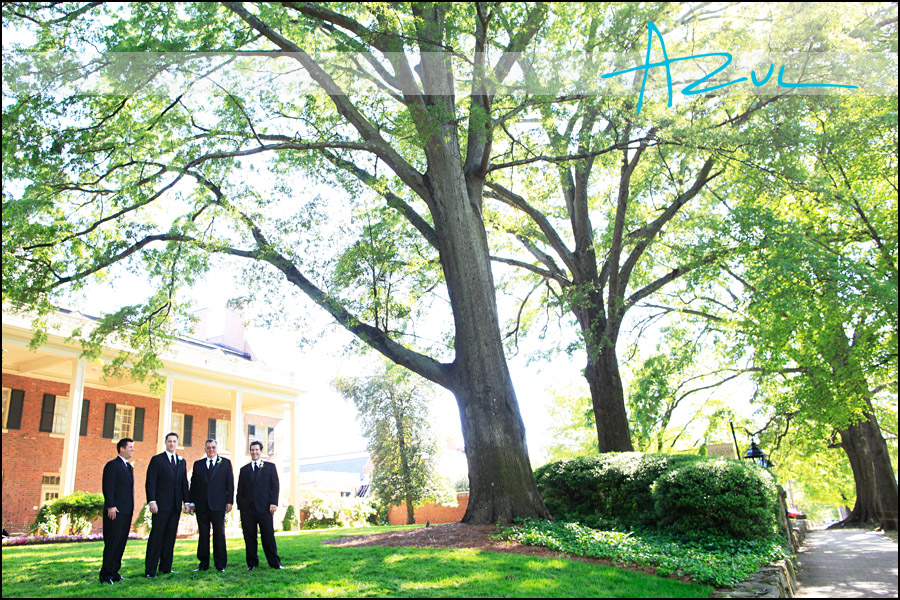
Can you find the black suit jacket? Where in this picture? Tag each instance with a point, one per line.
(118, 486)
(212, 490)
(169, 488)
(263, 493)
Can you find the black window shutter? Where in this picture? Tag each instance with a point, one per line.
(270, 442)
(138, 434)
(251, 434)
(109, 421)
(47, 408)
(14, 417)
(188, 430)
(212, 430)
(85, 411)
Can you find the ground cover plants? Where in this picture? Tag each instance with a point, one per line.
(713, 560)
(312, 569)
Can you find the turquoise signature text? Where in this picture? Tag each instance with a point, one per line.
(692, 88)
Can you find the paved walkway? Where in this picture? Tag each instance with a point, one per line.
(847, 563)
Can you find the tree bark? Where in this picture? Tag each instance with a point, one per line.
(608, 398)
(885, 482)
(865, 510)
(501, 482)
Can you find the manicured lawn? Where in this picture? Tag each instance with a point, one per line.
(71, 570)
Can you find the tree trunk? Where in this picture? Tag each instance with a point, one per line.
(608, 397)
(501, 481)
(885, 482)
(410, 513)
(865, 510)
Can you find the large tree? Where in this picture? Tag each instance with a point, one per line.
(153, 169)
(815, 304)
(637, 210)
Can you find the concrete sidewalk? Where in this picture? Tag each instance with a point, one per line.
(847, 563)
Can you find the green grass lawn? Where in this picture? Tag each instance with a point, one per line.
(71, 570)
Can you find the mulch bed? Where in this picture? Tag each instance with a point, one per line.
(478, 537)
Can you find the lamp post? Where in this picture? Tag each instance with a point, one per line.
(756, 454)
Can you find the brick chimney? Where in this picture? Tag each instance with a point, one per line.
(223, 327)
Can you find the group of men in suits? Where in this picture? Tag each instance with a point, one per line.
(210, 496)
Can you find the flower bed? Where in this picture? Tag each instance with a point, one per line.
(58, 539)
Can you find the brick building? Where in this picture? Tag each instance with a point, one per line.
(61, 418)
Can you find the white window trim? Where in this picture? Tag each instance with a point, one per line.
(222, 441)
(118, 434)
(63, 402)
(179, 431)
(7, 398)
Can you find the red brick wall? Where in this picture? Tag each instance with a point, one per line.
(29, 453)
(433, 513)
(40, 452)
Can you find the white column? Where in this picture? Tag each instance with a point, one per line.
(165, 413)
(236, 436)
(295, 453)
(73, 428)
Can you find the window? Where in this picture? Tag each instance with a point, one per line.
(49, 487)
(264, 435)
(124, 423)
(13, 401)
(183, 425)
(121, 421)
(6, 395)
(60, 412)
(218, 430)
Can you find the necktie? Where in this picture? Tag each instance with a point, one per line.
(172, 460)
(208, 465)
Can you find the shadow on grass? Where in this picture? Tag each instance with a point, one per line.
(71, 570)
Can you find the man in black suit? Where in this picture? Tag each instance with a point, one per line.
(118, 508)
(167, 490)
(212, 494)
(257, 499)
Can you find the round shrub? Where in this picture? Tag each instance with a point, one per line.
(609, 489)
(719, 497)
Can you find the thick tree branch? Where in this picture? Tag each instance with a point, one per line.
(341, 101)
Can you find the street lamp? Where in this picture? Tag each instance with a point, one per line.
(756, 454)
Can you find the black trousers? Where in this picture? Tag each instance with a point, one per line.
(161, 545)
(115, 534)
(250, 520)
(220, 554)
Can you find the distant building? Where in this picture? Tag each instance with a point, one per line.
(61, 419)
(345, 474)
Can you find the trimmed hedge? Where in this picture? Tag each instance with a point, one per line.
(687, 493)
(718, 496)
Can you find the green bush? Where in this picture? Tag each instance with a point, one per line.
(80, 507)
(145, 517)
(608, 489)
(320, 513)
(718, 496)
(688, 493)
(290, 518)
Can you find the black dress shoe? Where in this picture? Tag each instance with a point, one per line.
(200, 569)
(250, 568)
(170, 572)
(118, 578)
(221, 570)
(278, 567)
(149, 576)
(109, 581)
